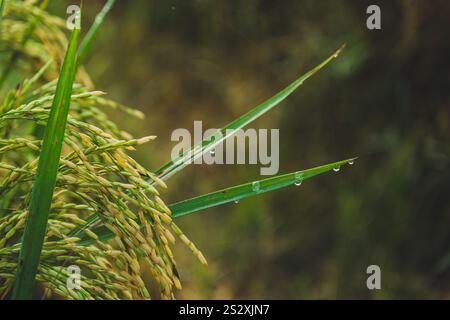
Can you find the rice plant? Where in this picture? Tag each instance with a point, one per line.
(70, 192)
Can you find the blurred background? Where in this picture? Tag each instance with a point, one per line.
(385, 100)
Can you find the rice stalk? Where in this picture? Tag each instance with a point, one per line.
(95, 174)
(44, 184)
(89, 38)
(98, 185)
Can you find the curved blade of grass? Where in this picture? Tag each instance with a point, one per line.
(44, 184)
(173, 166)
(88, 39)
(206, 145)
(232, 194)
(250, 189)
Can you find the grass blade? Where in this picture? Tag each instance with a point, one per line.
(247, 190)
(196, 151)
(44, 184)
(235, 193)
(88, 39)
(204, 146)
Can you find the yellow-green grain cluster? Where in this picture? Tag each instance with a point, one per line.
(96, 175)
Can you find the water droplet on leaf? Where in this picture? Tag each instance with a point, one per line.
(298, 178)
(256, 186)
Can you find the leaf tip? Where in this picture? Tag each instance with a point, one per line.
(338, 51)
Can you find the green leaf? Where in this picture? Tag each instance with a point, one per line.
(250, 189)
(44, 184)
(170, 168)
(232, 194)
(88, 39)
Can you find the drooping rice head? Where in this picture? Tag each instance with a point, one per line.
(96, 175)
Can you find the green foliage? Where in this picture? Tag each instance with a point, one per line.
(232, 194)
(204, 146)
(95, 174)
(172, 167)
(45, 180)
(386, 98)
(89, 38)
(86, 189)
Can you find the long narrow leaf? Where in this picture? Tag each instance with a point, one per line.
(250, 189)
(236, 193)
(44, 184)
(206, 145)
(199, 149)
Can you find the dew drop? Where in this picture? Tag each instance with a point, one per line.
(298, 179)
(256, 186)
(212, 152)
(236, 201)
(336, 169)
(351, 162)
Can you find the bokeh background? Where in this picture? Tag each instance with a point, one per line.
(385, 100)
